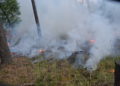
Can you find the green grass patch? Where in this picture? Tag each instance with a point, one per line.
(61, 73)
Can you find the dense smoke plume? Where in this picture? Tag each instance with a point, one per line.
(68, 26)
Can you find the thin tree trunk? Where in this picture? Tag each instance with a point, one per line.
(36, 17)
(5, 55)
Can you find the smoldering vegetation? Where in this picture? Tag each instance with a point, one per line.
(90, 27)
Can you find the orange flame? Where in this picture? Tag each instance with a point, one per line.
(41, 51)
(112, 71)
(92, 41)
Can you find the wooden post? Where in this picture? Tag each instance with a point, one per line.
(117, 73)
(36, 17)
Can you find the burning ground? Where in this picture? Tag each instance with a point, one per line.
(68, 26)
(74, 35)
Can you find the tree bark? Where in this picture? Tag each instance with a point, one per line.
(36, 17)
(117, 73)
(5, 55)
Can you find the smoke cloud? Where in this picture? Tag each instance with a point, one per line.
(91, 26)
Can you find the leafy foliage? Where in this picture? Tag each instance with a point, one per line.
(9, 12)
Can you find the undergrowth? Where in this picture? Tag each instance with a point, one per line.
(57, 73)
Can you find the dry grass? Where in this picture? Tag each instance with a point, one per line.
(20, 71)
(56, 73)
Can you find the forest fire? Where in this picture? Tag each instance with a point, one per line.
(63, 34)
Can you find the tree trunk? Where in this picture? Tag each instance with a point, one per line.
(5, 55)
(117, 73)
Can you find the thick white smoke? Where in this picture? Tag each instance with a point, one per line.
(67, 25)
